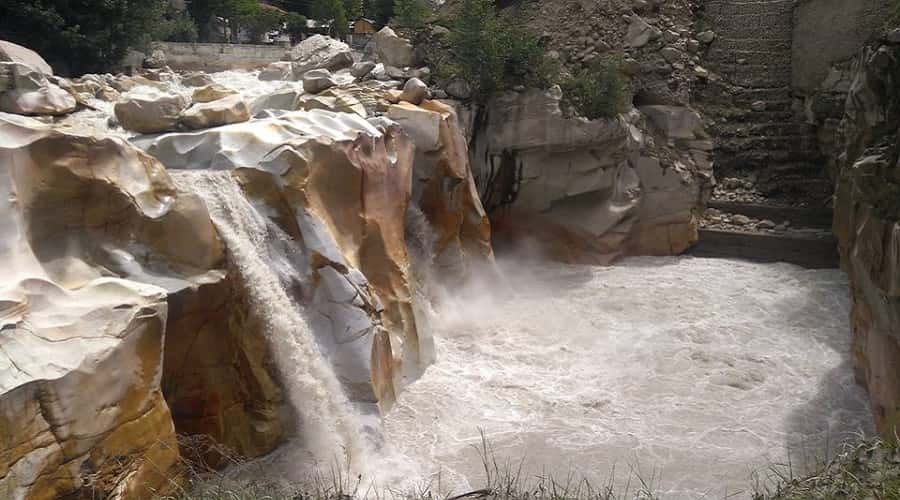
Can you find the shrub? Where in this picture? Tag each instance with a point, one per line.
(492, 54)
(598, 91)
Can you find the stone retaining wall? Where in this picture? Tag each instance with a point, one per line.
(219, 56)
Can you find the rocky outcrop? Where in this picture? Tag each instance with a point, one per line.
(592, 190)
(867, 223)
(444, 190)
(341, 187)
(85, 218)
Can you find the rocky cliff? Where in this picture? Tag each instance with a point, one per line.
(865, 161)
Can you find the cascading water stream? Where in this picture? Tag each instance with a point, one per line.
(267, 260)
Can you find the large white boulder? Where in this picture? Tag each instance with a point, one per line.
(26, 91)
(10, 52)
(150, 114)
(317, 80)
(320, 52)
(231, 109)
(393, 50)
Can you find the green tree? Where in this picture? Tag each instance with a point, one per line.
(410, 13)
(258, 21)
(491, 54)
(353, 9)
(382, 11)
(296, 25)
(177, 26)
(332, 11)
(83, 36)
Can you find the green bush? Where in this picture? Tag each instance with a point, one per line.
(492, 54)
(598, 91)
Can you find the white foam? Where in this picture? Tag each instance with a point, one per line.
(703, 371)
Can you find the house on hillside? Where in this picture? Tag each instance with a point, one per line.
(361, 31)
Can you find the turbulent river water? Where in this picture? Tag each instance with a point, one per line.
(694, 375)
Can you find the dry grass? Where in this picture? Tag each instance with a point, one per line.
(868, 470)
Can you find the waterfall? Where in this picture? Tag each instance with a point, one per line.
(268, 261)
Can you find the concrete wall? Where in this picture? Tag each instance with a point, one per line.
(219, 56)
(829, 31)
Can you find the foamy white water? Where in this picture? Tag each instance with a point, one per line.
(698, 372)
(268, 261)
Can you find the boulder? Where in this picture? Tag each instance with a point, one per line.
(150, 114)
(10, 52)
(211, 93)
(285, 99)
(458, 89)
(281, 70)
(26, 91)
(317, 80)
(393, 50)
(414, 91)
(639, 33)
(362, 69)
(231, 109)
(197, 80)
(320, 52)
(156, 60)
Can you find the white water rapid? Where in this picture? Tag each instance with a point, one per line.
(268, 261)
(693, 373)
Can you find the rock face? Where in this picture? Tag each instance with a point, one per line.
(341, 187)
(445, 191)
(80, 211)
(866, 224)
(320, 52)
(27, 91)
(393, 50)
(592, 191)
(150, 114)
